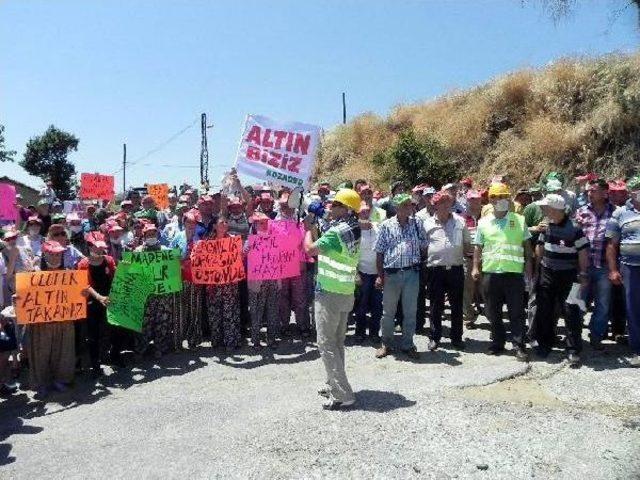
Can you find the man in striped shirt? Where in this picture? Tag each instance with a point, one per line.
(563, 252)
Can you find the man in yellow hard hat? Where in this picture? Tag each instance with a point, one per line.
(338, 252)
(503, 254)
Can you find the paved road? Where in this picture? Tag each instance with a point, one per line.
(448, 415)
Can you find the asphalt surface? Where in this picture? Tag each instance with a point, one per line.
(450, 414)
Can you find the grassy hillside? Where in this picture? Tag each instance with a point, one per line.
(574, 115)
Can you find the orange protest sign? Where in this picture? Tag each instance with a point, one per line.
(94, 186)
(51, 296)
(217, 262)
(160, 194)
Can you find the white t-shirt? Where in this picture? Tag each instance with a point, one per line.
(367, 263)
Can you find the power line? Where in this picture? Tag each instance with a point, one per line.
(160, 146)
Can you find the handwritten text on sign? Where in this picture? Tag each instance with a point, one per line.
(275, 255)
(160, 194)
(279, 152)
(161, 266)
(217, 262)
(128, 296)
(51, 296)
(8, 210)
(94, 186)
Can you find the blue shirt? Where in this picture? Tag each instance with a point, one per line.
(624, 226)
(401, 245)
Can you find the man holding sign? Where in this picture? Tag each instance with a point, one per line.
(46, 301)
(338, 252)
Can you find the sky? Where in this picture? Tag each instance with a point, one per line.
(141, 72)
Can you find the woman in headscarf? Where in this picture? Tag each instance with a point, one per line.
(223, 304)
(158, 316)
(188, 303)
(51, 346)
(263, 295)
(101, 269)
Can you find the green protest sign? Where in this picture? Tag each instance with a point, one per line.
(129, 292)
(162, 266)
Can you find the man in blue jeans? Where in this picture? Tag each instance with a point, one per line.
(593, 219)
(369, 297)
(398, 253)
(623, 233)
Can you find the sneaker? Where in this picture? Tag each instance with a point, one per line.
(521, 355)
(412, 353)
(573, 359)
(334, 404)
(620, 339)
(635, 361)
(433, 345)
(383, 351)
(470, 325)
(7, 390)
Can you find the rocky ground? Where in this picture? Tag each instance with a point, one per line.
(450, 414)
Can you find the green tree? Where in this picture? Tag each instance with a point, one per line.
(417, 159)
(46, 157)
(5, 155)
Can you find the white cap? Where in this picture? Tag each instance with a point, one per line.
(553, 200)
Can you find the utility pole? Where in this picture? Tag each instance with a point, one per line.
(344, 108)
(124, 168)
(204, 152)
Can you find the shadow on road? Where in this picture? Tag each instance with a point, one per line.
(381, 402)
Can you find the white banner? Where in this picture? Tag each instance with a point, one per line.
(280, 152)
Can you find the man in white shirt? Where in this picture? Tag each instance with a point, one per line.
(369, 297)
(447, 240)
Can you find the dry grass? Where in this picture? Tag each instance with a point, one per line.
(574, 115)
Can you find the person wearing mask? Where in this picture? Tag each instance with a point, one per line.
(263, 295)
(502, 256)
(623, 260)
(447, 240)
(32, 240)
(563, 253)
(471, 287)
(189, 301)
(76, 233)
(398, 257)
(337, 251)
(115, 246)
(292, 289)
(223, 304)
(593, 219)
(158, 315)
(151, 213)
(51, 345)
(369, 299)
(101, 269)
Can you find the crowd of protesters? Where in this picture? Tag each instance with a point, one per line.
(387, 264)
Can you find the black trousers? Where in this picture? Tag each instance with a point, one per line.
(500, 289)
(618, 312)
(449, 282)
(421, 311)
(552, 291)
